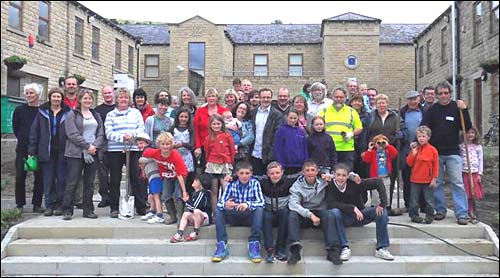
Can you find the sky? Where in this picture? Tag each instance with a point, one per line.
(255, 12)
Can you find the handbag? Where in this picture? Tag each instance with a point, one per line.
(31, 164)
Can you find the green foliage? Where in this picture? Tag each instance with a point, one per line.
(10, 215)
(15, 59)
(490, 66)
(80, 78)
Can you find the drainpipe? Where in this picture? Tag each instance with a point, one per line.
(459, 59)
(453, 51)
(138, 48)
(415, 45)
(66, 63)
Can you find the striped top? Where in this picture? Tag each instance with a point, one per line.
(118, 123)
(250, 193)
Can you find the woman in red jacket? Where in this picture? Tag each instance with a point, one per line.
(201, 118)
(219, 151)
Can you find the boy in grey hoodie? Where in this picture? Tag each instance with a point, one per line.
(308, 208)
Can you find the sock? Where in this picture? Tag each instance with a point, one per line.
(197, 231)
(180, 232)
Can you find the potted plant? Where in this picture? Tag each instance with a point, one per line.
(14, 62)
(490, 66)
(79, 78)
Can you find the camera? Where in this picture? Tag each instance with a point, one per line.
(414, 145)
(343, 134)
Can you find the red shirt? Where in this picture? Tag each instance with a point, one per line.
(200, 122)
(170, 166)
(370, 157)
(71, 103)
(221, 149)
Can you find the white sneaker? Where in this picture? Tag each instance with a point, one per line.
(383, 253)
(345, 255)
(156, 219)
(147, 216)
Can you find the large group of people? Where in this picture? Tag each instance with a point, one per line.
(322, 158)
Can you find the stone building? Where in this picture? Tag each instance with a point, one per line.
(67, 38)
(477, 43)
(202, 54)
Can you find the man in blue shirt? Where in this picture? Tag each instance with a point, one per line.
(242, 204)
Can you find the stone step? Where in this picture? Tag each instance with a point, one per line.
(239, 265)
(51, 227)
(206, 247)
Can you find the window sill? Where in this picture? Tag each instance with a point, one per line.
(95, 62)
(151, 79)
(79, 56)
(17, 32)
(474, 45)
(493, 35)
(428, 71)
(444, 62)
(44, 42)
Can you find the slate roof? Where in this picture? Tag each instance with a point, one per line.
(352, 17)
(278, 33)
(400, 33)
(274, 33)
(151, 34)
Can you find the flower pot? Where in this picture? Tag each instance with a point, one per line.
(14, 65)
(490, 68)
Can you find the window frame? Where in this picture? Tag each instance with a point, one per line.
(301, 65)
(494, 21)
(429, 56)
(96, 42)
(20, 14)
(421, 61)
(47, 20)
(444, 45)
(118, 54)
(131, 55)
(78, 49)
(260, 65)
(146, 65)
(476, 23)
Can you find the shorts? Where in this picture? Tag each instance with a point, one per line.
(205, 221)
(155, 186)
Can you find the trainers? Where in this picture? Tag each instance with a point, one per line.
(114, 214)
(67, 216)
(281, 255)
(462, 221)
(148, 216)
(90, 215)
(383, 253)
(192, 236)
(473, 220)
(439, 216)
(294, 254)
(58, 212)
(270, 255)
(156, 219)
(38, 209)
(176, 238)
(254, 251)
(333, 256)
(428, 219)
(49, 212)
(221, 253)
(417, 219)
(103, 204)
(345, 254)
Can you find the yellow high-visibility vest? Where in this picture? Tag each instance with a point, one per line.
(336, 122)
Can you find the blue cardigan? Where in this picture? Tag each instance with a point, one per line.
(290, 146)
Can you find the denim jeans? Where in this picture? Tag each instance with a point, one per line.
(453, 166)
(171, 189)
(282, 217)
(54, 181)
(328, 226)
(21, 182)
(369, 215)
(417, 190)
(252, 218)
(75, 167)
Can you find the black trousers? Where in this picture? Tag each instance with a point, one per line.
(21, 182)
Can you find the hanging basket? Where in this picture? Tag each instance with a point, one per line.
(14, 62)
(79, 78)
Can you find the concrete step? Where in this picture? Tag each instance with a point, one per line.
(206, 247)
(239, 265)
(51, 227)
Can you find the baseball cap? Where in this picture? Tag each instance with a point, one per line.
(412, 94)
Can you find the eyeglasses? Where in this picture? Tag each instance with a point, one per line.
(443, 93)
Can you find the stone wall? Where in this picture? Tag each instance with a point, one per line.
(55, 58)
(154, 85)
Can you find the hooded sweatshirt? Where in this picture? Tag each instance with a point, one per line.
(290, 146)
(305, 198)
